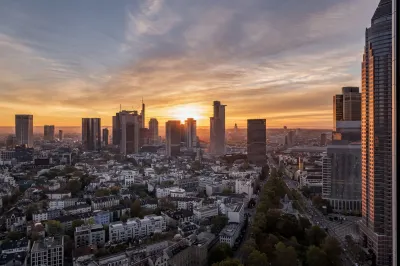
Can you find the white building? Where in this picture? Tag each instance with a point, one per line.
(58, 195)
(136, 228)
(205, 212)
(170, 191)
(82, 208)
(104, 202)
(187, 203)
(61, 204)
(235, 213)
(229, 234)
(244, 186)
(48, 251)
(45, 215)
(87, 235)
(128, 176)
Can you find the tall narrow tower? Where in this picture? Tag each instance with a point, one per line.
(217, 129)
(24, 130)
(376, 140)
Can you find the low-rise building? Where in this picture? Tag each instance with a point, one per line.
(88, 235)
(58, 195)
(14, 252)
(77, 209)
(46, 215)
(176, 218)
(235, 213)
(229, 234)
(48, 251)
(205, 212)
(104, 202)
(101, 217)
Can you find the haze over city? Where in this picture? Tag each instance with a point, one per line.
(65, 60)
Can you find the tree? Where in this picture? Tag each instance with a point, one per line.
(219, 253)
(285, 256)
(318, 201)
(91, 221)
(247, 248)
(54, 228)
(102, 192)
(135, 208)
(13, 235)
(114, 190)
(228, 262)
(256, 258)
(218, 223)
(32, 208)
(226, 191)
(124, 218)
(315, 235)
(77, 223)
(331, 247)
(316, 257)
(74, 186)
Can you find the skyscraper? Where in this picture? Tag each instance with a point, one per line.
(337, 109)
(49, 132)
(217, 129)
(91, 134)
(105, 136)
(395, 126)
(129, 131)
(142, 116)
(191, 133)
(153, 131)
(173, 137)
(24, 130)
(323, 139)
(60, 134)
(351, 103)
(376, 124)
(257, 141)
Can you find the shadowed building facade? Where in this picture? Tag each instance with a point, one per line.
(173, 137)
(257, 141)
(24, 130)
(91, 134)
(217, 129)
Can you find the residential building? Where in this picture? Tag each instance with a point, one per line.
(136, 228)
(187, 229)
(176, 218)
(14, 252)
(45, 215)
(89, 235)
(187, 203)
(49, 132)
(104, 202)
(170, 192)
(205, 212)
(15, 218)
(191, 133)
(244, 185)
(187, 252)
(61, 204)
(24, 130)
(235, 213)
(101, 217)
(376, 149)
(341, 177)
(48, 251)
(257, 141)
(77, 209)
(153, 131)
(229, 234)
(91, 134)
(217, 129)
(173, 136)
(58, 195)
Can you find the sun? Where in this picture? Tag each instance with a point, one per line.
(182, 112)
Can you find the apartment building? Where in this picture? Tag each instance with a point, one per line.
(48, 251)
(104, 202)
(88, 235)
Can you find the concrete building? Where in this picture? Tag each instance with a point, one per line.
(347, 130)
(60, 134)
(106, 136)
(89, 235)
(257, 141)
(91, 134)
(244, 185)
(235, 213)
(229, 234)
(323, 139)
(48, 132)
(217, 129)
(173, 137)
(153, 131)
(48, 251)
(104, 202)
(204, 212)
(337, 109)
(126, 131)
(136, 228)
(351, 103)
(376, 149)
(24, 130)
(191, 133)
(341, 177)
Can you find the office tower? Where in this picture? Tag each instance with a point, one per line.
(11, 142)
(142, 116)
(289, 138)
(116, 129)
(60, 135)
(144, 137)
(217, 129)
(91, 134)
(341, 176)
(183, 133)
(376, 125)
(48, 251)
(153, 131)
(49, 132)
(128, 130)
(173, 137)
(323, 139)
(395, 102)
(257, 141)
(301, 164)
(191, 133)
(106, 136)
(24, 130)
(337, 109)
(351, 103)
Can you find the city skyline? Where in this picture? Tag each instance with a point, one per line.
(187, 66)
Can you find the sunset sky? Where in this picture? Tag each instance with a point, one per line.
(276, 59)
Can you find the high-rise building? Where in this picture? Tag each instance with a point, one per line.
(91, 134)
(48, 251)
(323, 139)
(173, 137)
(129, 131)
(351, 103)
(11, 142)
(257, 141)
(376, 137)
(153, 131)
(217, 129)
(49, 132)
(183, 133)
(144, 134)
(106, 136)
(395, 126)
(337, 109)
(24, 130)
(142, 117)
(191, 133)
(341, 176)
(60, 134)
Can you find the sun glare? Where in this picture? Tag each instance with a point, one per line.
(183, 112)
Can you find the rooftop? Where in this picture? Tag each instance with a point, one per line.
(49, 242)
(230, 229)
